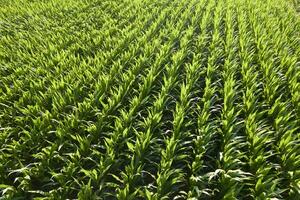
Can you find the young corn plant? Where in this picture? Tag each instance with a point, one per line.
(149, 99)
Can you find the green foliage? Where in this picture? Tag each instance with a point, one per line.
(149, 99)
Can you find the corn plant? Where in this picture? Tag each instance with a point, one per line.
(142, 99)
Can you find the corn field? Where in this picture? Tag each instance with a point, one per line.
(149, 99)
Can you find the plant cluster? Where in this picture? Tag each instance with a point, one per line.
(149, 99)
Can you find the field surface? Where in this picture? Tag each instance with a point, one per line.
(149, 99)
